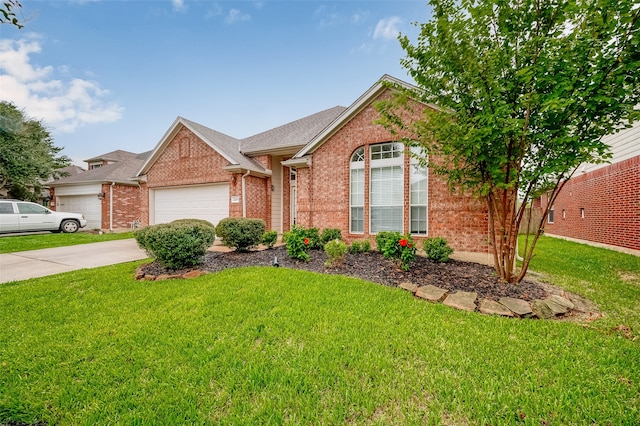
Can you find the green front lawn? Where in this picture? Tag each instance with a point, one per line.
(15, 243)
(277, 346)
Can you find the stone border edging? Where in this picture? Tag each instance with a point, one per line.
(552, 307)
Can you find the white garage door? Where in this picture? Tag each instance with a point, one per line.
(208, 202)
(89, 205)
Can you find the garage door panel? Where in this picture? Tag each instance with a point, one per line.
(209, 202)
(89, 205)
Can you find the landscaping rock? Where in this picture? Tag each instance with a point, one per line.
(562, 301)
(409, 287)
(192, 274)
(491, 307)
(462, 300)
(541, 309)
(517, 306)
(557, 308)
(431, 293)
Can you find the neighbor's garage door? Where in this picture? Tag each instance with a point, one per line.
(89, 205)
(208, 202)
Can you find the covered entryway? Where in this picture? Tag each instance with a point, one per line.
(81, 199)
(208, 202)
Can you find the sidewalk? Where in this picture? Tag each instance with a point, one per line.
(39, 263)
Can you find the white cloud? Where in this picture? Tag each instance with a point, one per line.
(178, 5)
(64, 105)
(235, 16)
(387, 28)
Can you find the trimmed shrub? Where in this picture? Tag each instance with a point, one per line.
(385, 238)
(269, 238)
(336, 251)
(177, 245)
(241, 233)
(193, 222)
(298, 243)
(437, 249)
(330, 234)
(360, 246)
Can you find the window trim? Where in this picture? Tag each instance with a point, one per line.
(357, 162)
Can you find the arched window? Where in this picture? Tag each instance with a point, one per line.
(418, 194)
(356, 198)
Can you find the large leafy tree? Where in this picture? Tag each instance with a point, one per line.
(525, 91)
(27, 154)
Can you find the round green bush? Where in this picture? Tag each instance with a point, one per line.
(177, 245)
(436, 248)
(241, 233)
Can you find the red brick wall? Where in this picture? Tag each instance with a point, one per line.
(126, 206)
(323, 191)
(258, 198)
(187, 160)
(610, 197)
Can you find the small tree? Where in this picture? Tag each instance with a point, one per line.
(525, 91)
(27, 154)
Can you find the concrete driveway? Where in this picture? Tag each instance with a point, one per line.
(39, 263)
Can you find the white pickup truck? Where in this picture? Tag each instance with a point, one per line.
(24, 216)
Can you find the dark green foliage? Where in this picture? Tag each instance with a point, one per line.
(269, 238)
(329, 234)
(298, 243)
(193, 222)
(177, 245)
(315, 243)
(336, 251)
(28, 156)
(395, 246)
(360, 246)
(437, 249)
(241, 233)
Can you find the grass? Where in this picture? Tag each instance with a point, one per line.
(610, 279)
(277, 346)
(15, 243)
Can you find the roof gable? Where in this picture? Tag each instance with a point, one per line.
(354, 109)
(226, 146)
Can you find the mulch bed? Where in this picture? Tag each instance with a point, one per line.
(453, 275)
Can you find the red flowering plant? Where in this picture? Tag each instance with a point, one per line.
(397, 247)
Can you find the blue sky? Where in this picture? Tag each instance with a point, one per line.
(107, 75)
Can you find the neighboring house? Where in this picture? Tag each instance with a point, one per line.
(601, 203)
(333, 169)
(105, 194)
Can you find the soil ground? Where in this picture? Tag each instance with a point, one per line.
(453, 275)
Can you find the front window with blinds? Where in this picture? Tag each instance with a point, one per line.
(356, 200)
(386, 187)
(418, 196)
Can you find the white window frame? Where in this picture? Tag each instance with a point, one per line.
(391, 155)
(415, 166)
(356, 164)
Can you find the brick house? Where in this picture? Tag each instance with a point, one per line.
(601, 202)
(333, 169)
(105, 194)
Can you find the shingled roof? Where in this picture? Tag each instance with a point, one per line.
(121, 172)
(117, 155)
(291, 136)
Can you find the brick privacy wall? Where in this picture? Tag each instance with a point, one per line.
(126, 202)
(610, 197)
(323, 191)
